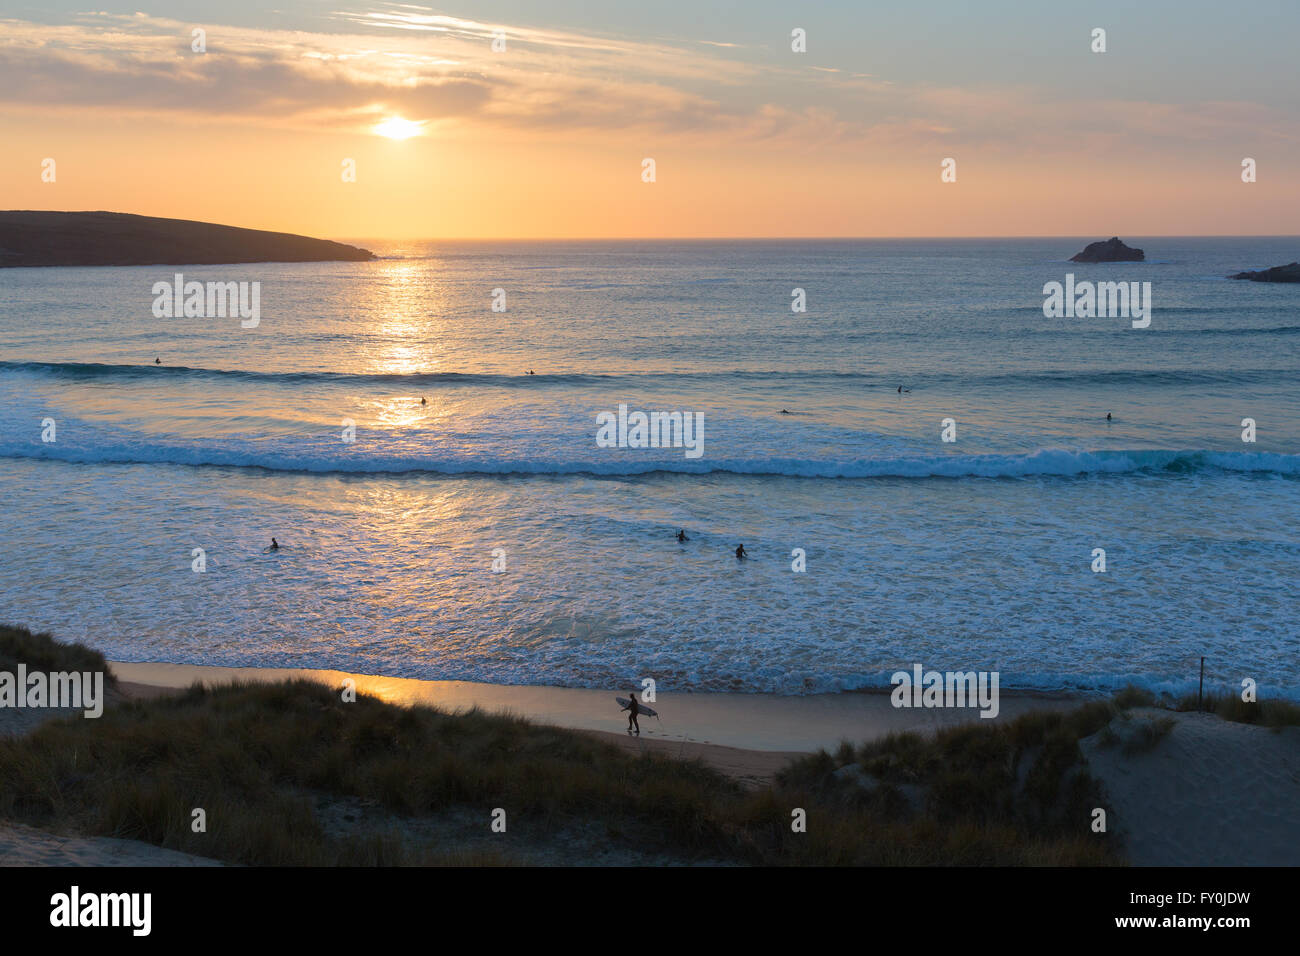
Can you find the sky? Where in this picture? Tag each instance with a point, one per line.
(549, 137)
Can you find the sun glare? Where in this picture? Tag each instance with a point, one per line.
(397, 128)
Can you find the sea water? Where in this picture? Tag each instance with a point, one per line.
(978, 553)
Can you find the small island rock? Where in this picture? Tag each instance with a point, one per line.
(1112, 250)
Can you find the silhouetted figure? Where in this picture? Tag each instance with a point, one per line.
(741, 553)
(424, 401)
(785, 411)
(275, 545)
(901, 390)
(1108, 418)
(681, 536)
(633, 708)
(157, 361)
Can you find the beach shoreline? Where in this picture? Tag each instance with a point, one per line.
(752, 722)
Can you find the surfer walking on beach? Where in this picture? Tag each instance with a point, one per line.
(633, 708)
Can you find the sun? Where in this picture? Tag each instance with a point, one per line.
(397, 128)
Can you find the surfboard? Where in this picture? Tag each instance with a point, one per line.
(643, 709)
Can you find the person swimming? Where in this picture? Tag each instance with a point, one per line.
(1108, 418)
(275, 545)
(741, 553)
(681, 535)
(785, 411)
(157, 361)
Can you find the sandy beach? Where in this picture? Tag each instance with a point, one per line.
(761, 722)
(566, 707)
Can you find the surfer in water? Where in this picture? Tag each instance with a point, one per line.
(1108, 418)
(901, 390)
(275, 545)
(681, 536)
(785, 411)
(157, 361)
(633, 708)
(741, 553)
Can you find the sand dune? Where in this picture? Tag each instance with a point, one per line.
(21, 845)
(752, 768)
(26, 846)
(1210, 793)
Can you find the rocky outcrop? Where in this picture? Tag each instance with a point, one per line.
(37, 238)
(1112, 250)
(1287, 273)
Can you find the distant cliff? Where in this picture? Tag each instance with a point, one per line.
(1287, 273)
(32, 238)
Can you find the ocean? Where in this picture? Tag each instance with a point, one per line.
(973, 554)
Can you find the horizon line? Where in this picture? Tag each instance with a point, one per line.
(795, 238)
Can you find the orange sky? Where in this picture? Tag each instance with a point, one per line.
(547, 139)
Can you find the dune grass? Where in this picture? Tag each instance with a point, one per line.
(41, 652)
(258, 757)
(291, 774)
(1011, 793)
(1266, 713)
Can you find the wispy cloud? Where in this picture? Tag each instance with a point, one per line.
(442, 71)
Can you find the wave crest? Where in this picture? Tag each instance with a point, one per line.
(318, 457)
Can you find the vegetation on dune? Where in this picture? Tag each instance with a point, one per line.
(258, 758)
(1265, 713)
(1012, 793)
(41, 652)
(292, 774)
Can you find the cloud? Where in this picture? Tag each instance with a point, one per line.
(443, 71)
(546, 79)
